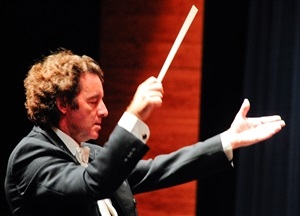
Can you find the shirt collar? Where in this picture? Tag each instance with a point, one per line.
(71, 144)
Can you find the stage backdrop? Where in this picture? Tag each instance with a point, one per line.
(252, 49)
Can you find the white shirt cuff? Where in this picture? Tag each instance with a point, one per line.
(134, 125)
(227, 150)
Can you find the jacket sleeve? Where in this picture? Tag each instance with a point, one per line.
(186, 164)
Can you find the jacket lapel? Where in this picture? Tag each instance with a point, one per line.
(54, 139)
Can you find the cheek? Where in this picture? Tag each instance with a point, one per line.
(87, 117)
(78, 117)
(83, 116)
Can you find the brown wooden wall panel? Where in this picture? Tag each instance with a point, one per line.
(136, 38)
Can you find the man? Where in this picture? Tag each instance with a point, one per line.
(48, 175)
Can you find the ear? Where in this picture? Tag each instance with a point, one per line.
(61, 104)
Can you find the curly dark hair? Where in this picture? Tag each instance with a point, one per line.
(56, 75)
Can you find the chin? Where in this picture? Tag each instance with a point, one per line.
(95, 135)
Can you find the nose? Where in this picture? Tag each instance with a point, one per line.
(102, 110)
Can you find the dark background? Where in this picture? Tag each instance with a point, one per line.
(251, 49)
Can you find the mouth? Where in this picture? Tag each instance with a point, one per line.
(98, 124)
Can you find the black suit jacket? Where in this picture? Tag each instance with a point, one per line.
(43, 178)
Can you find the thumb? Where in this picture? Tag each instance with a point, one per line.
(244, 108)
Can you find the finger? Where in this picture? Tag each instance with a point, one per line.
(270, 128)
(266, 120)
(155, 99)
(154, 94)
(152, 79)
(156, 87)
(244, 108)
(273, 118)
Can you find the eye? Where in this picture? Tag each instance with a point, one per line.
(94, 102)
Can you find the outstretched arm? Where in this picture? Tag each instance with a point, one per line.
(245, 131)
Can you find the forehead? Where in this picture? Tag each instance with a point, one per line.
(91, 83)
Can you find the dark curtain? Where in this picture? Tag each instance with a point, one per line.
(268, 175)
(252, 50)
(221, 93)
